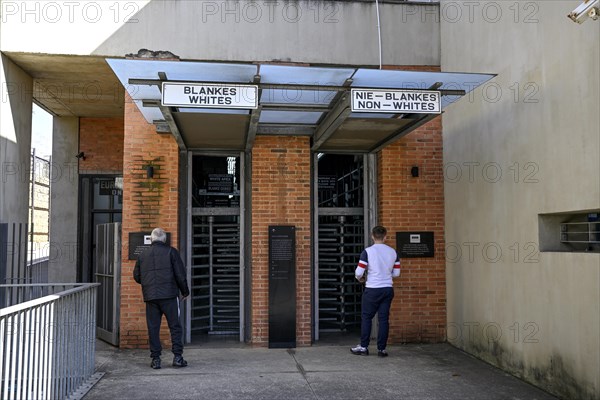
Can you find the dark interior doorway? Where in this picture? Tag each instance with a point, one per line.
(216, 310)
(341, 227)
(101, 202)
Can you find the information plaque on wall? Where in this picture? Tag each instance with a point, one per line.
(139, 242)
(282, 286)
(415, 244)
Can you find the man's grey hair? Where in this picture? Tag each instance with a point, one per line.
(159, 235)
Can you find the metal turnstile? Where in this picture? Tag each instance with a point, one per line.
(340, 221)
(215, 272)
(341, 240)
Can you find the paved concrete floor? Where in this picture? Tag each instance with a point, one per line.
(437, 371)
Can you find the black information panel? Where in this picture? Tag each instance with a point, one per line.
(282, 286)
(414, 244)
(139, 242)
(220, 183)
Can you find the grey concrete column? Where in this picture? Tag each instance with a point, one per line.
(16, 90)
(64, 184)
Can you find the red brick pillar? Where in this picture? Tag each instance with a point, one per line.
(280, 196)
(147, 203)
(409, 203)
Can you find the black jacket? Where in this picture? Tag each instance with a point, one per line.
(161, 273)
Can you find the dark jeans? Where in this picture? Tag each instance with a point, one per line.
(376, 301)
(154, 312)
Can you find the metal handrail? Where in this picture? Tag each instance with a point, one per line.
(47, 348)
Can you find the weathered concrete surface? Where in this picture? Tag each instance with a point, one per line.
(328, 32)
(524, 144)
(318, 372)
(64, 200)
(15, 141)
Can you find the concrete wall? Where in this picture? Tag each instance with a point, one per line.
(331, 32)
(526, 143)
(15, 141)
(64, 200)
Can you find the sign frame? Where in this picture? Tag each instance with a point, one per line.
(413, 244)
(380, 95)
(239, 100)
(282, 286)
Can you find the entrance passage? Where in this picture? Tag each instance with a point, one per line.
(340, 243)
(341, 238)
(216, 280)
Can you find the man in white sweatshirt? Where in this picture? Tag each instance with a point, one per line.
(380, 263)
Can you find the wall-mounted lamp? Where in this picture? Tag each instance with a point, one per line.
(80, 156)
(149, 171)
(414, 171)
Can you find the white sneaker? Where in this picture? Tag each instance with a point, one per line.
(360, 351)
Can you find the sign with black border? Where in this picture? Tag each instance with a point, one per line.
(207, 95)
(282, 286)
(396, 101)
(415, 244)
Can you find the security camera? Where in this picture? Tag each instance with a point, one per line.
(587, 9)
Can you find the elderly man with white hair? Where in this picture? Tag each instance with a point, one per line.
(162, 275)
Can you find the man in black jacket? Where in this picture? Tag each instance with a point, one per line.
(162, 275)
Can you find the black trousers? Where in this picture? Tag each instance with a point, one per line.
(154, 312)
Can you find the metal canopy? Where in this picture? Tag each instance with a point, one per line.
(292, 100)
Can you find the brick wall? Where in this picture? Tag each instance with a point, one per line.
(280, 196)
(148, 203)
(416, 204)
(101, 139)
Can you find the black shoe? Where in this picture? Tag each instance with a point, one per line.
(179, 362)
(382, 353)
(155, 363)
